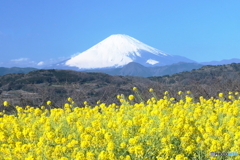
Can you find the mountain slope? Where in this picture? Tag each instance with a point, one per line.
(119, 50)
(174, 68)
(136, 69)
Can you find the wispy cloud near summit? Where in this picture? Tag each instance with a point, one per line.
(27, 62)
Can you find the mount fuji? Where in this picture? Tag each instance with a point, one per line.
(116, 51)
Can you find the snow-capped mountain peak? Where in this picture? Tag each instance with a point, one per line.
(124, 44)
(118, 50)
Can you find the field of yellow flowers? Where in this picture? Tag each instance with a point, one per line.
(154, 129)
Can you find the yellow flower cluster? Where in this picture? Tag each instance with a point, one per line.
(156, 129)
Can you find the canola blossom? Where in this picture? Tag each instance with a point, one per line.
(155, 129)
(49, 102)
(5, 104)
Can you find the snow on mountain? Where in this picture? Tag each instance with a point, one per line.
(118, 50)
(151, 61)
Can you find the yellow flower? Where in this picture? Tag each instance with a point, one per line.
(150, 90)
(133, 141)
(122, 100)
(165, 97)
(118, 96)
(80, 155)
(188, 92)
(30, 157)
(139, 151)
(131, 149)
(164, 140)
(90, 155)
(166, 92)
(66, 105)
(131, 97)
(188, 99)
(98, 102)
(179, 92)
(127, 157)
(198, 140)
(110, 146)
(180, 157)
(85, 144)
(69, 99)
(108, 136)
(190, 149)
(49, 102)
(123, 145)
(85, 103)
(5, 104)
(230, 97)
(220, 95)
(134, 89)
(64, 140)
(125, 133)
(103, 155)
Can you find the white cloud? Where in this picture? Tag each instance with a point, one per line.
(40, 63)
(20, 60)
(55, 60)
(26, 62)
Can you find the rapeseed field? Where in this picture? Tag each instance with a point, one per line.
(156, 129)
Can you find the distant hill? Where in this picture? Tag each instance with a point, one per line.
(4, 70)
(175, 68)
(136, 69)
(222, 62)
(131, 69)
(36, 87)
(204, 75)
(206, 81)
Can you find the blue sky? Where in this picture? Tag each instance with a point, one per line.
(201, 30)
